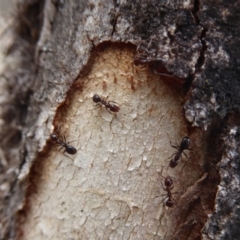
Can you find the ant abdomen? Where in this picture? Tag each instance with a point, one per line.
(173, 163)
(169, 203)
(113, 107)
(70, 150)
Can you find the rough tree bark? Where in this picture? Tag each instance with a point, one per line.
(172, 66)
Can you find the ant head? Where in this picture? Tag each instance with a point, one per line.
(185, 143)
(96, 98)
(168, 182)
(54, 137)
(169, 203)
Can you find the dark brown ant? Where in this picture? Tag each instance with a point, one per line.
(109, 105)
(168, 187)
(62, 142)
(178, 155)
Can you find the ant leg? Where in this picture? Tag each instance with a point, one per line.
(172, 155)
(164, 195)
(163, 187)
(97, 105)
(112, 102)
(162, 176)
(67, 155)
(59, 128)
(165, 199)
(111, 112)
(185, 155)
(177, 193)
(72, 141)
(173, 146)
(64, 138)
(160, 173)
(115, 116)
(60, 148)
(165, 167)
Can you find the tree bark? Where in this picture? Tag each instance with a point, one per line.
(172, 68)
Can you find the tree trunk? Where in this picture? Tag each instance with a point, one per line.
(172, 69)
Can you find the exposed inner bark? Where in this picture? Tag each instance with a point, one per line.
(115, 174)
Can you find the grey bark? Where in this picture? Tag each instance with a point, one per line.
(191, 44)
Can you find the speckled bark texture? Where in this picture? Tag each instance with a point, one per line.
(173, 67)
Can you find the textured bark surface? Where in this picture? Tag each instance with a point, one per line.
(153, 58)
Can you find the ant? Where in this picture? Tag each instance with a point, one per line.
(168, 182)
(109, 105)
(62, 142)
(183, 146)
